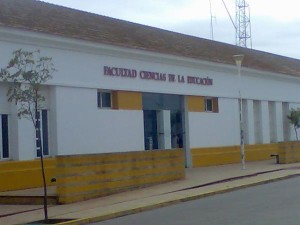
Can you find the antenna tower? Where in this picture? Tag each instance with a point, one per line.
(242, 24)
(211, 22)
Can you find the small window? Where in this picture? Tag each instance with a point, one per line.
(42, 124)
(211, 104)
(208, 104)
(4, 142)
(104, 99)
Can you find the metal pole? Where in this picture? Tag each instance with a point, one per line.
(238, 59)
(241, 123)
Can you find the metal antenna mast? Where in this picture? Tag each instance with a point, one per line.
(211, 22)
(243, 25)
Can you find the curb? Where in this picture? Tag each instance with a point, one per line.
(171, 202)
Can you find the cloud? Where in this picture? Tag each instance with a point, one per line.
(287, 10)
(275, 24)
(276, 36)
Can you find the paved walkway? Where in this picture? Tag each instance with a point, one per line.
(199, 182)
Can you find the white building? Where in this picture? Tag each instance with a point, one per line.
(122, 86)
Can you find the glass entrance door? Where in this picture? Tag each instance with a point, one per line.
(176, 129)
(163, 121)
(150, 129)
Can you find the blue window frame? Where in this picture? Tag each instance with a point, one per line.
(42, 123)
(208, 104)
(4, 143)
(104, 99)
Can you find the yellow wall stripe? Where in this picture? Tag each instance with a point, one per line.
(231, 154)
(196, 103)
(127, 100)
(289, 152)
(17, 175)
(86, 176)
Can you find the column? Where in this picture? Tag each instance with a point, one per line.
(285, 122)
(164, 129)
(279, 121)
(186, 135)
(273, 121)
(257, 114)
(249, 120)
(265, 122)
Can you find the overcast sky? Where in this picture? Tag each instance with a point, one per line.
(275, 24)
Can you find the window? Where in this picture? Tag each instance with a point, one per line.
(4, 141)
(104, 99)
(43, 125)
(211, 104)
(208, 104)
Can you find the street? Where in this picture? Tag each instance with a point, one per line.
(276, 203)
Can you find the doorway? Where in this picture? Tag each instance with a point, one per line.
(163, 123)
(150, 130)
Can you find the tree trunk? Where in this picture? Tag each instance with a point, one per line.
(37, 126)
(45, 188)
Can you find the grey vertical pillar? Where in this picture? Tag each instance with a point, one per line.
(273, 121)
(265, 121)
(53, 120)
(250, 122)
(13, 132)
(279, 121)
(186, 136)
(257, 111)
(286, 124)
(164, 129)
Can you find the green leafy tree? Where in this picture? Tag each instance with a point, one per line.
(294, 118)
(25, 74)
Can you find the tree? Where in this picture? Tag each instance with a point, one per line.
(25, 74)
(294, 118)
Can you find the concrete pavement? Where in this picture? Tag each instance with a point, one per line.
(199, 182)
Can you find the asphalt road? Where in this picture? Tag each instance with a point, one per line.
(276, 203)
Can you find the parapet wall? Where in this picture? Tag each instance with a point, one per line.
(231, 154)
(289, 152)
(84, 177)
(17, 175)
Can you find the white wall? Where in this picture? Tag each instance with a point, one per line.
(21, 130)
(78, 126)
(215, 129)
(26, 140)
(254, 85)
(80, 64)
(84, 128)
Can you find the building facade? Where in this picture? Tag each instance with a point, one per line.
(113, 95)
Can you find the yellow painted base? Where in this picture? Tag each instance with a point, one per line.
(88, 176)
(289, 152)
(17, 175)
(231, 154)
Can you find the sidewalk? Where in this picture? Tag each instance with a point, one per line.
(199, 182)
